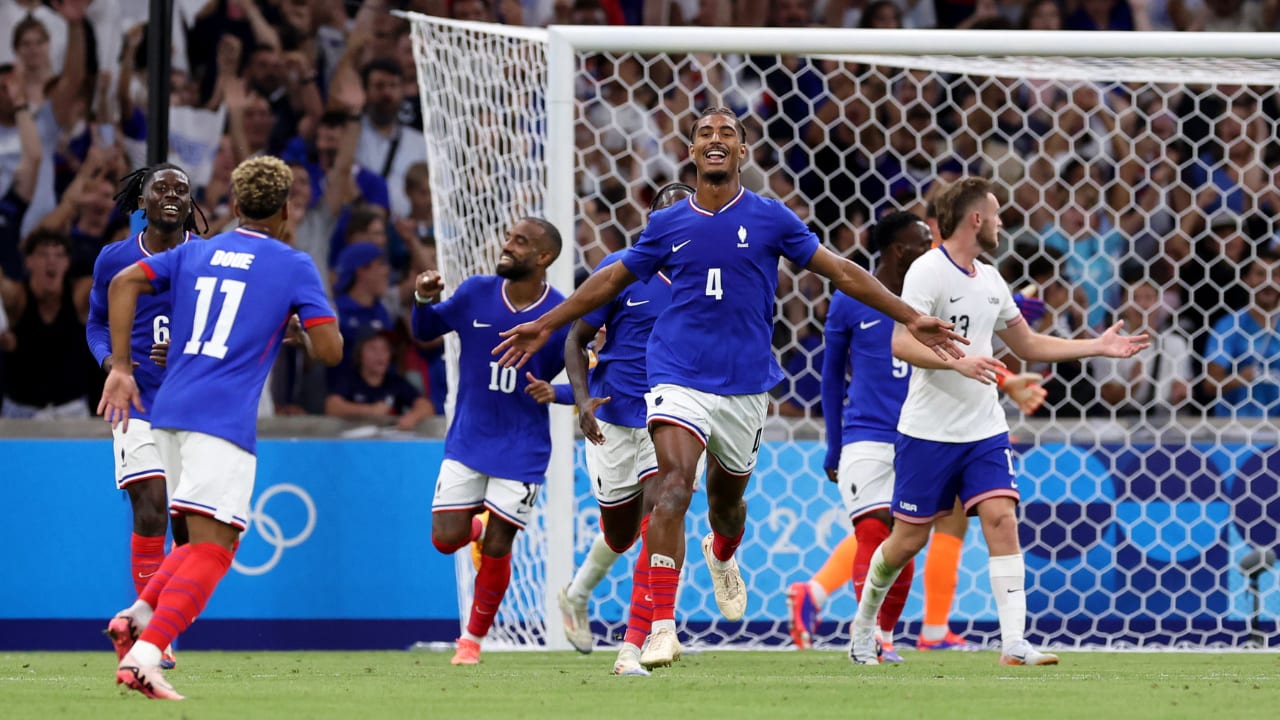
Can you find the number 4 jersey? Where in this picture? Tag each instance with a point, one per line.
(716, 336)
(151, 321)
(497, 428)
(232, 297)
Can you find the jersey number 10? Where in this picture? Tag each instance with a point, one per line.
(215, 346)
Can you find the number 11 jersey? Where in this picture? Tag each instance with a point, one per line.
(232, 296)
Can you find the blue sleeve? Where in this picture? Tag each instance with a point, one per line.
(160, 268)
(564, 394)
(834, 362)
(96, 330)
(431, 321)
(798, 243)
(309, 299)
(648, 255)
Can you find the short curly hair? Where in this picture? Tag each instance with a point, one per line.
(261, 186)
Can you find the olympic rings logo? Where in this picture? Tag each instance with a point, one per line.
(270, 530)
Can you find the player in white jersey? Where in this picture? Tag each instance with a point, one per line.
(952, 435)
(710, 356)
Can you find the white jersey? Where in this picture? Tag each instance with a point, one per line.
(943, 405)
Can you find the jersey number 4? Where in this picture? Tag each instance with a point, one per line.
(714, 288)
(215, 346)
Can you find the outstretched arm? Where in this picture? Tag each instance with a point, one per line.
(1038, 347)
(862, 285)
(834, 362)
(523, 340)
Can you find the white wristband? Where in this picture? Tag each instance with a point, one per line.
(421, 300)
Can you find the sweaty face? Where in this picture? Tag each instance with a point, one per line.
(717, 149)
(520, 253)
(989, 231)
(167, 199)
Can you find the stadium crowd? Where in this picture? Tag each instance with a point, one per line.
(1146, 203)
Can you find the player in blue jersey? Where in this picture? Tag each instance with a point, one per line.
(499, 443)
(860, 438)
(953, 439)
(163, 192)
(619, 452)
(232, 297)
(710, 357)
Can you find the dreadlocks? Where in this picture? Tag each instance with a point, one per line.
(135, 183)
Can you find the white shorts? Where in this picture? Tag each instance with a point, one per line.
(136, 456)
(460, 488)
(866, 477)
(619, 468)
(214, 477)
(729, 426)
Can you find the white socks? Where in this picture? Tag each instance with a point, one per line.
(141, 613)
(880, 577)
(466, 635)
(145, 653)
(933, 633)
(818, 593)
(1008, 574)
(593, 569)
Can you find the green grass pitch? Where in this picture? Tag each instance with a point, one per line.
(703, 686)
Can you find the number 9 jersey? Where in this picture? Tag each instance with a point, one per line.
(232, 296)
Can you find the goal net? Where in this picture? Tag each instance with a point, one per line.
(1136, 189)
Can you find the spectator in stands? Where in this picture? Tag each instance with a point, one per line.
(289, 87)
(1243, 353)
(1229, 172)
(385, 145)
(363, 274)
(1041, 15)
(48, 366)
(1158, 379)
(1092, 246)
(18, 170)
(1210, 277)
(1224, 15)
(370, 389)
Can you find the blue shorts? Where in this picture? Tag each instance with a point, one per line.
(930, 475)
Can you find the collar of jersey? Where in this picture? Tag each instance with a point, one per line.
(741, 191)
(186, 235)
(546, 289)
(956, 265)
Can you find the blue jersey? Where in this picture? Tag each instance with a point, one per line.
(497, 428)
(150, 324)
(620, 372)
(716, 336)
(860, 342)
(232, 298)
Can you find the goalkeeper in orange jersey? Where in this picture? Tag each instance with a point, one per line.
(860, 437)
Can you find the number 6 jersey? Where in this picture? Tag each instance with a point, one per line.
(497, 428)
(232, 296)
(151, 321)
(943, 405)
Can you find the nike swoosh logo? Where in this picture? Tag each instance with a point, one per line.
(630, 303)
(478, 324)
(142, 576)
(957, 299)
(865, 325)
(675, 247)
(1013, 590)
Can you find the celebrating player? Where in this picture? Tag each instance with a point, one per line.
(499, 443)
(860, 439)
(620, 454)
(953, 438)
(710, 359)
(164, 194)
(232, 297)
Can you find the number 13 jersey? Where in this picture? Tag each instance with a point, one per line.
(943, 405)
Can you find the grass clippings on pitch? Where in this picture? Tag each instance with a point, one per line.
(703, 686)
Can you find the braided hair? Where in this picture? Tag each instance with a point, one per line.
(134, 184)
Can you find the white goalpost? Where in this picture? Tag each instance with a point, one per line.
(1147, 520)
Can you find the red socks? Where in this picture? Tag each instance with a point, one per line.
(640, 621)
(870, 532)
(146, 554)
(491, 585)
(151, 593)
(187, 591)
(724, 547)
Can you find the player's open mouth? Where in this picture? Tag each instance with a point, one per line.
(716, 155)
(169, 209)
